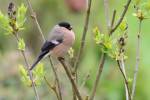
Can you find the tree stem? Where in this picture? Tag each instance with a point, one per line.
(34, 17)
(122, 15)
(98, 75)
(83, 37)
(122, 70)
(56, 77)
(137, 60)
(74, 85)
(52, 87)
(28, 69)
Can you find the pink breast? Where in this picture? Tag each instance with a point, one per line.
(60, 50)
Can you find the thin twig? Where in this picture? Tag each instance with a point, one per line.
(106, 8)
(123, 69)
(113, 19)
(51, 87)
(75, 80)
(137, 60)
(83, 37)
(98, 75)
(122, 15)
(33, 15)
(102, 60)
(74, 85)
(85, 80)
(30, 75)
(120, 65)
(28, 69)
(56, 77)
(74, 94)
(103, 56)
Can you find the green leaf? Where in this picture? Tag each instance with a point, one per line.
(26, 82)
(4, 23)
(24, 73)
(108, 42)
(39, 73)
(39, 70)
(108, 45)
(71, 52)
(24, 76)
(38, 82)
(98, 37)
(22, 70)
(104, 40)
(21, 16)
(123, 26)
(141, 14)
(130, 80)
(125, 57)
(21, 44)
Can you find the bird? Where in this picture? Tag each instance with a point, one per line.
(60, 40)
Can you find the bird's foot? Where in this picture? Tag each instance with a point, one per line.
(61, 58)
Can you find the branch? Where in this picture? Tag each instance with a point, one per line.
(103, 55)
(56, 77)
(122, 16)
(75, 80)
(98, 75)
(123, 70)
(83, 37)
(121, 66)
(137, 60)
(33, 15)
(106, 8)
(52, 87)
(30, 75)
(102, 60)
(29, 72)
(113, 19)
(74, 94)
(74, 85)
(85, 79)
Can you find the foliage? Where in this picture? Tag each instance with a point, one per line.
(5, 20)
(71, 52)
(24, 75)
(21, 16)
(123, 26)
(4, 24)
(21, 44)
(109, 45)
(38, 75)
(142, 10)
(103, 40)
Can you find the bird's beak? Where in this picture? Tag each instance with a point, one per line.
(70, 28)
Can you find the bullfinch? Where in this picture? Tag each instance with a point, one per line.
(60, 39)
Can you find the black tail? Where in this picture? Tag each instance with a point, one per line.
(42, 54)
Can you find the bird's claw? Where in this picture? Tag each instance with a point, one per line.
(61, 58)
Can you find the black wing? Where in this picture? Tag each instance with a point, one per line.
(47, 46)
(42, 54)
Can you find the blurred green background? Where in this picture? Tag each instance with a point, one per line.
(50, 12)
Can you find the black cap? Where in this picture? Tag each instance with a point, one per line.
(66, 25)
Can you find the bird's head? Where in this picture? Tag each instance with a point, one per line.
(65, 25)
